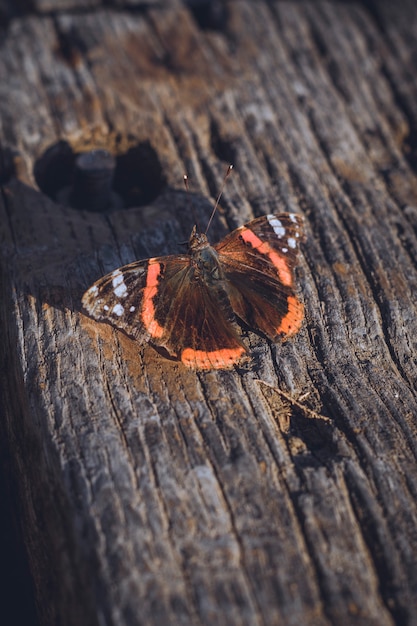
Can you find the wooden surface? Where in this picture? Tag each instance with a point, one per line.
(150, 494)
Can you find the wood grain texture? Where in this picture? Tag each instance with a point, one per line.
(150, 494)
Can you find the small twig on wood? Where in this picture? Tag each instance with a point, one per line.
(308, 412)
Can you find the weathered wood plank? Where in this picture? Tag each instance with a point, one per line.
(152, 494)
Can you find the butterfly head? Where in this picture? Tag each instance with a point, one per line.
(197, 240)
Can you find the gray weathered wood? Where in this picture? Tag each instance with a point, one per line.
(156, 495)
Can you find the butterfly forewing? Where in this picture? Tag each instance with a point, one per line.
(124, 298)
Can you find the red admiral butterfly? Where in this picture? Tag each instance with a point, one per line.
(188, 303)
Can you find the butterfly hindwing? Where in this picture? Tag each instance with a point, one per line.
(192, 319)
(202, 330)
(258, 260)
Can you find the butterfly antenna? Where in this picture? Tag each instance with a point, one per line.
(187, 189)
(226, 176)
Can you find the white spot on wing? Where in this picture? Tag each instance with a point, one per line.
(293, 217)
(276, 224)
(93, 289)
(284, 250)
(132, 308)
(105, 307)
(291, 242)
(120, 289)
(118, 309)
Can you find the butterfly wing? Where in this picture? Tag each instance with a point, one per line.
(124, 299)
(258, 260)
(158, 300)
(203, 333)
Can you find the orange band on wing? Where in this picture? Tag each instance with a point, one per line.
(278, 261)
(291, 323)
(217, 359)
(148, 309)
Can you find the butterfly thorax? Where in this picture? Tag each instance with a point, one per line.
(204, 258)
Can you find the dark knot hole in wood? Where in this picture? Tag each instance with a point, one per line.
(98, 179)
(210, 15)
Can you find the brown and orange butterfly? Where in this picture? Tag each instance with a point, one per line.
(189, 304)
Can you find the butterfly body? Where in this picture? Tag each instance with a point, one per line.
(204, 261)
(189, 304)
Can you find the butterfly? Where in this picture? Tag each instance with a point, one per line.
(190, 304)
